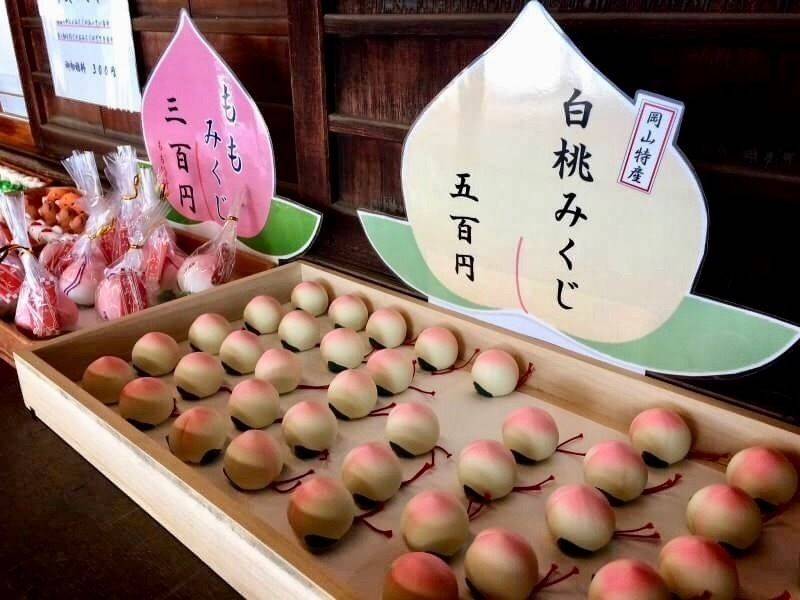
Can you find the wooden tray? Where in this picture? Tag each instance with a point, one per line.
(13, 340)
(245, 537)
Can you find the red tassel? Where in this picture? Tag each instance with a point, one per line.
(362, 518)
(378, 412)
(454, 368)
(421, 391)
(295, 481)
(545, 581)
(303, 386)
(536, 487)
(634, 533)
(715, 457)
(525, 376)
(565, 442)
(663, 486)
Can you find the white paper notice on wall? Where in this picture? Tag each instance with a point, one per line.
(90, 47)
(654, 130)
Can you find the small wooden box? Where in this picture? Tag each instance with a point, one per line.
(245, 537)
(13, 340)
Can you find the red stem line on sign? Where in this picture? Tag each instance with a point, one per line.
(536, 487)
(635, 533)
(559, 448)
(295, 481)
(516, 276)
(362, 518)
(545, 581)
(663, 486)
(458, 368)
(525, 376)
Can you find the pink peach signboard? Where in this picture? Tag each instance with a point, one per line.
(206, 137)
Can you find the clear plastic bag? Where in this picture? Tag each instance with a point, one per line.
(122, 168)
(212, 263)
(79, 280)
(124, 290)
(163, 257)
(42, 310)
(57, 254)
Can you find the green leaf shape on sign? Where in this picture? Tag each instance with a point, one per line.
(290, 229)
(703, 337)
(394, 242)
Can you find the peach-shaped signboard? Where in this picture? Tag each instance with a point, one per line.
(205, 135)
(543, 199)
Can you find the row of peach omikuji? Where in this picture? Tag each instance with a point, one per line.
(530, 433)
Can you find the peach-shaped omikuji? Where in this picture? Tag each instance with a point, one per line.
(487, 470)
(724, 514)
(495, 373)
(436, 349)
(199, 375)
(352, 394)
(579, 518)
(764, 473)
(105, 377)
(309, 428)
(661, 436)
(342, 349)
(412, 429)
(321, 511)
(349, 311)
(531, 434)
(198, 435)
(386, 328)
(196, 274)
(420, 576)
(372, 473)
(693, 566)
(262, 315)
(299, 331)
(240, 352)
(208, 331)
(615, 468)
(628, 579)
(281, 368)
(155, 353)
(253, 460)
(80, 279)
(147, 401)
(501, 564)
(253, 404)
(392, 370)
(311, 297)
(435, 521)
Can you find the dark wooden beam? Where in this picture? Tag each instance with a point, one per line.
(309, 97)
(377, 130)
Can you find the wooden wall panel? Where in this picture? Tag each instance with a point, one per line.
(242, 8)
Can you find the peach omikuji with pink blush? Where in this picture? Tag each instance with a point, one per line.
(724, 514)
(386, 328)
(298, 331)
(321, 511)
(105, 377)
(420, 576)
(487, 472)
(765, 474)
(198, 375)
(281, 368)
(627, 579)
(253, 461)
(392, 370)
(155, 354)
(198, 435)
(349, 311)
(352, 395)
(342, 349)
(581, 521)
(436, 349)
(502, 564)
(495, 373)
(694, 567)
(311, 297)
(661, 436)
(532, 435)
(435, 521)
(207, 332)
(617, 470)
(262, 315)
(253, 404)
(240, 351)
(309, 429)
(412, 429)
(147, 401)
